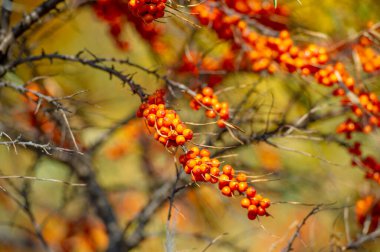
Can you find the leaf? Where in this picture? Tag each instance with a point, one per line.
(275, 3)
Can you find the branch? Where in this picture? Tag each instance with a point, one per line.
(315, 210)
(26, 23)
(6, 11)
(363, 239)
(135, 88)
(44, 147)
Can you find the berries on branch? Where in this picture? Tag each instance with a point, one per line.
(202, 168)
(168, 127)
(147, 10)
(207, 99)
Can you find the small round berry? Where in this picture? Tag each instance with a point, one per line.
(241, 177)
(226, 191)
(228, 170)
(188, 134)
(204, 153)
(180, 140)
(251, 192)
(207, 91)
(245, 203)
(242, 187)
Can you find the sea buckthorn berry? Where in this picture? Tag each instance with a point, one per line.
(207, 91)
(180, 140)
(215, 162)
(210, 113)
(228, 170)
(188, 134)
(250, 192)
(195, 151)
(221, 123)
(226, 191)
(242, 187)
(204, 153)
(163, 140)
(164, 131)
(233, 185)
(172, 135)
(224, 180)
(191, 163)
(265, 203)
(241, 177)
(207, 177)
(180, 128)
(161, 113)
(252, 215)
(182, 159)
(261, 211)
(151, 120)
(245, 203)
(214, 171)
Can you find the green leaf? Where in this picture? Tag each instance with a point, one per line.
(275, 3)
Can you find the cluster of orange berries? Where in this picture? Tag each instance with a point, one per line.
(202, 168)
(168, 127)
(116, 13)
(256, 7)
(148, 10)
(368, 209)
(369, 57)
(372, 167)
(206, 98)
(271, 53)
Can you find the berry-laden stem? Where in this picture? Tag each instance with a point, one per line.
(171, 132)
(207, 99)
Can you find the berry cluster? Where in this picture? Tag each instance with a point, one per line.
(116, 13)
(203, 168)
(168, 127)
(148, 10)
(369, 163)
(272, 53)
(368, 209)
(369, 57)
(207, 99)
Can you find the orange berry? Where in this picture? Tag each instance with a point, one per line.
(210, 113)
(180, 128)
(265, 203)
(207, 91)
(228, 170)
(221, 123)
(195, 150)
(251, 192)
(180, 140)
(188, 134)
(233, 185)
(241, 177)
(261, 211)
(223, 180)
(226, 191)
(242, 187)
(204, 153)
(215, 162)
(245, 203)
(214, 171)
